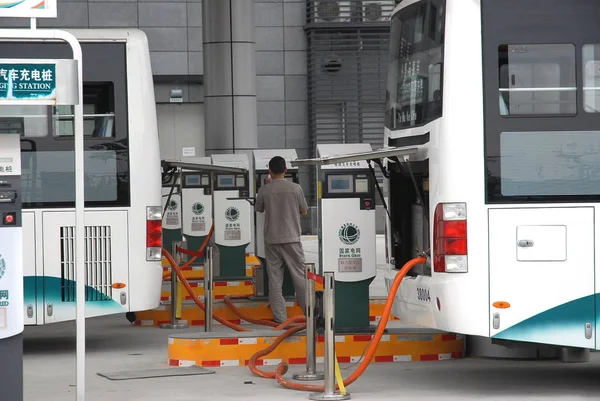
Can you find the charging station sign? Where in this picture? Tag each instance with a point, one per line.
(39, 81)
(27, 81)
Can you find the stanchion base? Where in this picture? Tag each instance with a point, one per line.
(180, 325)
(307, 377)
(326, 397)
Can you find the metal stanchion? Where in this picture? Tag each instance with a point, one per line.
(175, 323)
(208, 286)
(311, 354)
(329, 306)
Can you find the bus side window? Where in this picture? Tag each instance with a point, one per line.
(537, 79)
(98, 112)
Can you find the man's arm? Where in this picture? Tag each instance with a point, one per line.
(302, 201)
(259, 205)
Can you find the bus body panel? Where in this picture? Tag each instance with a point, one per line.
(551, 297)
(45, 259)
(455, 176)
(106, 244)
(145, 277)
(457, 169)
(542, 265)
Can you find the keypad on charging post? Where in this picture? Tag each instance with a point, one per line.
(8, 203)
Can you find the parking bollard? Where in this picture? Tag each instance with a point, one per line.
(329, 306)
(311, 331)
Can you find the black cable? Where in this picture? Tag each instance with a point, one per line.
(414, 181)
(379, 190)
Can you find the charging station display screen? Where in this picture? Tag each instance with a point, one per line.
(362, 185)
(226, 181)
(263, 178)
(192, 180)
(340, 184)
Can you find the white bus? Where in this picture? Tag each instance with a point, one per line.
(497, 104)
(122, 182)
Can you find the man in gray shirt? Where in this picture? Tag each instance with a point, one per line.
(283, 202)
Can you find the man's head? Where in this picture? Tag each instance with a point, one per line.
(277, 167)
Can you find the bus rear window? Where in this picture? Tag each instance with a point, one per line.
(414, 95)
(49, 177)
(550, 163)
(537, 80)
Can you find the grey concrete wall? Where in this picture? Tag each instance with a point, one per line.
(281, 80)
(174, 28)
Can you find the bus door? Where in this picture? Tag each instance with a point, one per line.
(542, 275)
(106, 263)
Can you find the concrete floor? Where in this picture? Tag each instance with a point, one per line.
(114, 345)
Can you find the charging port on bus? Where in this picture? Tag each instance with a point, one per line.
(409, 213)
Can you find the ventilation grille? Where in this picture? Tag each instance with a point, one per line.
(98, 263)
(347, 83)
(350, 11)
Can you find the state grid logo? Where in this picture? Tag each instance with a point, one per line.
(197, 208)
(349, 234)
(2, 267)
(173, 205)
(232, 214)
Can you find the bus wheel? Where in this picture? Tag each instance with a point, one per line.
(131, 317)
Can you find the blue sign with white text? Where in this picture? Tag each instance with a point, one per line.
(27, 81)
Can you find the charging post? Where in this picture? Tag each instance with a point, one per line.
(46, 83)
(346, 225)
(171, 203)
(348, 234)
(196, 206)
(11, 268)
(311, 329)
(232, 214)
(197, 182)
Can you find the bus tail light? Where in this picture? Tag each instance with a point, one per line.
(450, 238)
(153, 233)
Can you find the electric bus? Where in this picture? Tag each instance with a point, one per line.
(122, 181)
(492, 154)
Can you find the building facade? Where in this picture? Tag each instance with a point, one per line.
(320, 68)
